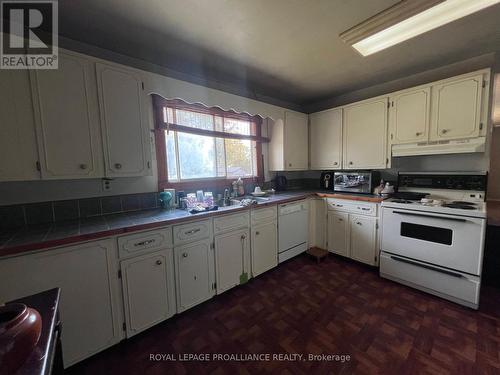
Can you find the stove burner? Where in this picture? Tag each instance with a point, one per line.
(399, 200)
(459, 205)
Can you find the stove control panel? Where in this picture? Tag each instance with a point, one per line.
(443, 181)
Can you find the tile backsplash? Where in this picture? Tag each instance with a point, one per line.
(18, 215)
(48, 212)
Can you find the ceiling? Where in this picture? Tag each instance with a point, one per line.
(285, 49)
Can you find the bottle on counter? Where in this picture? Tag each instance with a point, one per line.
(241, 188)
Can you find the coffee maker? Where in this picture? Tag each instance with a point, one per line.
(326, 181)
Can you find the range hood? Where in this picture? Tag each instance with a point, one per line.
(458, 146)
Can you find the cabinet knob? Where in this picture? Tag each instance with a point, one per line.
(289, 164)
(359, 223)
(350, 163)
(418, 134)
(118, 166)
(335, 163)
(257, 233)
(243, 236)
(184, 255)
(83, 166)
(341, 219)
(444, 131)
(158, 262)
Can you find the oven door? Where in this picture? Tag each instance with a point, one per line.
(454, 242)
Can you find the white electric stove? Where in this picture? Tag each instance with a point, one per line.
(433, 234)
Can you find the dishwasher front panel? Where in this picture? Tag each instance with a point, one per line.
(293, 226)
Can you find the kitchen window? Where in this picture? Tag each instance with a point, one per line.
(200, 146)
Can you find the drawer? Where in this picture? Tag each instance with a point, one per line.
(357, 207)
(193, 231)
(340, 205)
(367, 209)
(264, 215)
(139, 243)
(231, 222)
(463, 289)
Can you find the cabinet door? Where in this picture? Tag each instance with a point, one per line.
(67, 119)
(326, 139)
(338, 233)
(90, 299)
(296, 141)
(124, 122)
(409, 116)
(148, 290)
(365, 135)
(194, 268)
(231, 259)
(18, 149)
(363, 239)
(456, 109)
(264, 248)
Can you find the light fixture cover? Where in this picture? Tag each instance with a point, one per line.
(406, 20)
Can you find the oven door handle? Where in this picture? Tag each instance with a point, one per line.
(433, 216)
(446, 272)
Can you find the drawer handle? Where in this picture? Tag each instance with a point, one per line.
(365, 209)
(335, 163)
(359, 223)
(144, 243)
(184, 255)
(444, 131)
(192, 231)
(418, 134)
(159, 262)
(339, 205)
(118, 166)
(83, 166)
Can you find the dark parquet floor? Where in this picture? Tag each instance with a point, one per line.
(337, 307)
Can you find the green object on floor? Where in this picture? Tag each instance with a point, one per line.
(243, 278)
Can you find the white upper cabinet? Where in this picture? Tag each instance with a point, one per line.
(18, 148)
(456, 108)
(326, 139)
(125, 129)
(67, 119)
(365, 134)
(288, 149)
(409, 116)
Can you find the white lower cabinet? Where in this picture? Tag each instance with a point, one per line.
(90, 304)
(195, 273)
(232, 259)
(352, 230)
(264, 247)
(338, 233)
(363, 238)
(148, 290)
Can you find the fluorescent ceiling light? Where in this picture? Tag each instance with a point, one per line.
(438, 14)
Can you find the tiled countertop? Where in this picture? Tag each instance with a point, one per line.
(31, 238)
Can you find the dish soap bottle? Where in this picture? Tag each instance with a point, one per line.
(241, 188)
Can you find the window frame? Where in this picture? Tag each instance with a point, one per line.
(212, 182)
